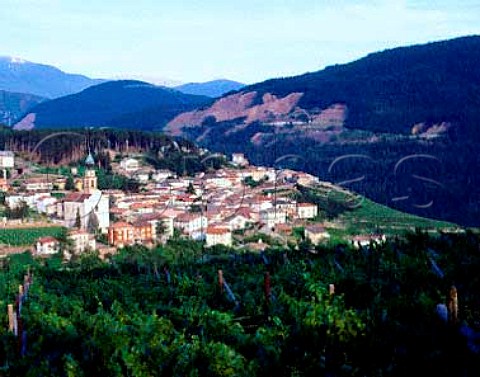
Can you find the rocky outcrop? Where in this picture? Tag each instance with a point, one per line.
(236, 106)
(334, 115)
(27, 123)
(430, 130)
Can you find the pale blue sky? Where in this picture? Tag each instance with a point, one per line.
(193, 40)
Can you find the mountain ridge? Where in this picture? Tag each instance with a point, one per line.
(22, 76)
(124, 104)
(387, 91)
(213, 88)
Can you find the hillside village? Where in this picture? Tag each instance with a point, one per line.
(237, 205)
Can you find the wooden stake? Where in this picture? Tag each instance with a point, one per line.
(331, 289)
(267, 287)
(15, 324)
(10, 317)
(220, 280)
(452, 304)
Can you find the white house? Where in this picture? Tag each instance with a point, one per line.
(307, 210)
(7, 159)
(239, 159)
(37, 184)
(218, 236)
(271, 217)
(162, 175)
(47, 245)
(130, 164)
(238, 220)
(81, 241)
(192, 224)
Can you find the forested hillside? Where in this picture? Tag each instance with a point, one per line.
(125, 104)
(392, 90)
(14, 105)
(409, 307)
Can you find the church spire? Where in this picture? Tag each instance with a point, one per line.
(90, 180)
(89, 161)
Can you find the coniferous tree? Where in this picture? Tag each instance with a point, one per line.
(78, 220)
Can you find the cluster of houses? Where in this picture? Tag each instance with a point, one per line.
(208, 206)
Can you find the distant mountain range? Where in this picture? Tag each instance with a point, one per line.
(20, 76)
(214, 89)
(155, 80)
(124, 104)
(25, 84)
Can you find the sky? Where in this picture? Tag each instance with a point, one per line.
(201, 40)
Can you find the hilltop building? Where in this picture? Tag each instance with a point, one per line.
(239, 159)
(7, 159)
(130, 165)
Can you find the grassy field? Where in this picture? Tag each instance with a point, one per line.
(354, 214)
(28, 236)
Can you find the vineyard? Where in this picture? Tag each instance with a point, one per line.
(175, 311)
(28, 236)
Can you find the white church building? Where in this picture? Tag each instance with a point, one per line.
(91, 206)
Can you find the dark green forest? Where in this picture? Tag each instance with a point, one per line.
(182, 310)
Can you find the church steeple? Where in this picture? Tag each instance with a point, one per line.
(90, 179)
(89, 161)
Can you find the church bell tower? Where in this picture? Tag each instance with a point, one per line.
(90, 179)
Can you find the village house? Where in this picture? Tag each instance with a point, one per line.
(305, 179)
(218, 236)
(81, 241)
(121, 234)
(286, 205)
(284, 229)
(271, 217)
(7, 160)
(37, 184)
(216, 180)
(192, 224)
(4, 185)
(239, 159)
(307, 210)
(316, 233)
(130, 165)
(162, 175)
(240, 219)
(144, 231)
(47, 246)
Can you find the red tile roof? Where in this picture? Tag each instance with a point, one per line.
(47, 239)
(217, 230)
